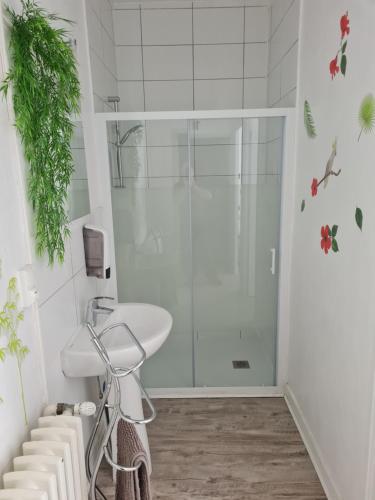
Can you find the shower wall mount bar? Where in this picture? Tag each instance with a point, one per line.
(113, 376)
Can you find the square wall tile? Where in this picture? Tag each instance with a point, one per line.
(256, 24)
(255, 92)
(274, 85)
(218, 131)
(218, 160)
(168, 161)
(167, 133)
(288, 100)
(168, 63)
(94, 32)
(106, 18)
(127, 27)
(285, 36)
(134, 161)
(129, 63)
(109, 54)
(278, 10)
(252, 131)
(218, 25)
(254, 159)
(98, 104)
(218, 94)
(289, 70)
(169, 96)
(218, 61)
(131, 96)
(256, 58)
(274, 157)
(166, 26)
(95, 5)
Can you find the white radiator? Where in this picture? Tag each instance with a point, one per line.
(52, 466)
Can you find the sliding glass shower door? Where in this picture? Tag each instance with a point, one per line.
(196, 231)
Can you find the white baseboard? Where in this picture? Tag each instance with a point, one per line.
(216, 392)
(311, 445)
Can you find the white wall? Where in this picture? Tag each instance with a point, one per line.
(196, 55)
(102, 52)
(15, 253)
(333, 316)
(63, 290)
(283, 53)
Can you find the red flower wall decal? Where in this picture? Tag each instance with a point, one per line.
(314, 187)
(335, 66)
(344, 25)
(326, 241)
(328, 238)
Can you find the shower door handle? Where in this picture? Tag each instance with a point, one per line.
(273, 260)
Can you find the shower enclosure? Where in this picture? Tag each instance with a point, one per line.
(196, 202)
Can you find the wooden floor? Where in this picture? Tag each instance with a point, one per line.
(227, 449)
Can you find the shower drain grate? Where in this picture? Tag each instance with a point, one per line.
(241, 364)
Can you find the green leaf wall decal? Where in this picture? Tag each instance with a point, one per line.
(343, 64)
(303, 205)
(359, 217)
(335, 246)
(309, 121)
(366, 114)
(334, 230)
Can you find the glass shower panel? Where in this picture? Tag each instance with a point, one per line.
(196, 209)
(235, 203)
(151, 215)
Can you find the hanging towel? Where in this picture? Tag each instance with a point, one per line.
(131, 485)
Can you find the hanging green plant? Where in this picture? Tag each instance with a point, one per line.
(46, 93)
(366, 114)
(309, 121)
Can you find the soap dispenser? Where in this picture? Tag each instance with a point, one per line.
(96, 246)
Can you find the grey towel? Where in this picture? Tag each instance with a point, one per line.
(130, 452)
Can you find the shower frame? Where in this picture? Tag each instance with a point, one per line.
(102, 194)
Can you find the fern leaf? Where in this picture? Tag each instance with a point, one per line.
(309, 121)
(366, 114)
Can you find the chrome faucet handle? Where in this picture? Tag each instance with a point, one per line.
(93, 304)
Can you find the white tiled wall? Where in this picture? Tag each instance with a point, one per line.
(191, 57)
(102, 52)
(63, 294)
(283, 51)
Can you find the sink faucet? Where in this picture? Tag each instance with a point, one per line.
(94, 308)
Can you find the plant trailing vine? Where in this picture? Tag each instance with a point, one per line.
(46, 93)
(10, 318)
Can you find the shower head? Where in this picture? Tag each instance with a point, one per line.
(131, 131)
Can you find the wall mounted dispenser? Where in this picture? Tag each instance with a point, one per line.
(96, 246)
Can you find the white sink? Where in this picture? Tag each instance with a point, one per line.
(150, 324)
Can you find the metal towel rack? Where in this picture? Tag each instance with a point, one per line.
(113, 376)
